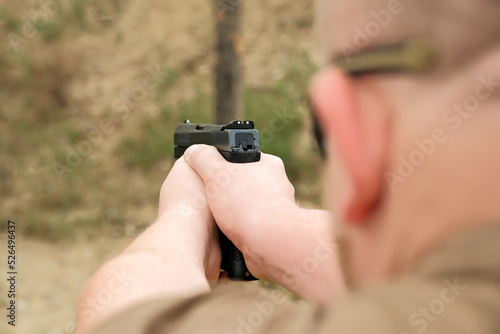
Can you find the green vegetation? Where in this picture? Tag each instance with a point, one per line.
(154, 142)
(49, 31)
(82, 200)
(62, 181)
(278, 112)
(10, 22)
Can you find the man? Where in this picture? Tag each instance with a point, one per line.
(408, 102)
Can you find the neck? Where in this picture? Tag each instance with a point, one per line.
(457, 188)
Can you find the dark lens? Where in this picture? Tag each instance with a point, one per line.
(318, 135)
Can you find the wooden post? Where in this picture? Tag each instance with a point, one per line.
(228, 67)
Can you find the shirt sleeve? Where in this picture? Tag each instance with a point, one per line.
(242, 309)
(455, 292)
(408, 307)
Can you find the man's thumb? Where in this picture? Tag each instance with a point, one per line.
(204, 159)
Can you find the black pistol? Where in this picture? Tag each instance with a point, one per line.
(237, 142)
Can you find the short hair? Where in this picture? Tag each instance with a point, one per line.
(459, 29)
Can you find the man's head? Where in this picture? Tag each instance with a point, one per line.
(413, 154)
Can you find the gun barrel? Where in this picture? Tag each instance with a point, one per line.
(237, 141)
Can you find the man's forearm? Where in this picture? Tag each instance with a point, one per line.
(321, 266)
(308, 262)
(167, 260)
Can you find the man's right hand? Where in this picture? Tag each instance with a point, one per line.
(254, 206)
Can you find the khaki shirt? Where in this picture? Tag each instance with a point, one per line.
(454, 290)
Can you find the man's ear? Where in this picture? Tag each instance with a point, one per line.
(354, 120)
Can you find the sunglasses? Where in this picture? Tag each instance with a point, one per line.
(414, 56)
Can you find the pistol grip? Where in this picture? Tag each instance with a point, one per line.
(237, 142)
(232, 261)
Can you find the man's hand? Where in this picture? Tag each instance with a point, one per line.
(177, 256)
(183, 197)
(254, 206)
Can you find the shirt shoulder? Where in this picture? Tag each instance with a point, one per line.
(455, 290)
(249, 309)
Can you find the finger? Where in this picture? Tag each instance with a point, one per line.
(180, 161)
(182, 170)
(205, 160)
(223, 278)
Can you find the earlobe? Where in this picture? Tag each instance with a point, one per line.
(359, 144)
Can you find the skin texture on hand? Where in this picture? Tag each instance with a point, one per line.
(254, 206)
(176, 256)
(179, 254)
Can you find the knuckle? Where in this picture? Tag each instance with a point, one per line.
(194, 153)
(202, 152)
(206, 160)
(274, 161)
(179, 162)
(278, 162)
(179, 167)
